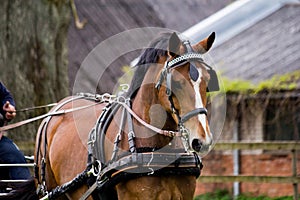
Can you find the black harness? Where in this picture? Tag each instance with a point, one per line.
(146, 161)
(137, 162)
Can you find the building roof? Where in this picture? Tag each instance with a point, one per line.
(180, 16)
(106, 18)
(257, 50)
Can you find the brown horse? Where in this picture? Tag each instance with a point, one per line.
(164, 109)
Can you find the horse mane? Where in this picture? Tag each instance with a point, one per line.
(149, 56)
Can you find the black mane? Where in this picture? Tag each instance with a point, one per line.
(150, 55)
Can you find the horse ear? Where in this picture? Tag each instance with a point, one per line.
(174, 44)
(204, 45)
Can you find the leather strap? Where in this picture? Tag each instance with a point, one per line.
(55, 113)
(149, 126)
(193, 113)
(89, 191)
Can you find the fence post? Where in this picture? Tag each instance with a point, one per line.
(294, 168)
(236, 160)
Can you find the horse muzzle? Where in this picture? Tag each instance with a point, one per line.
(196, 145)
(200, 147)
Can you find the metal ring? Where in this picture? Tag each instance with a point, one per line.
(106, 97)
(96, 171)
(121, 99)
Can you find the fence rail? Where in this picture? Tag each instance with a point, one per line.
(290, 146)
(254, 179)
(293, 147)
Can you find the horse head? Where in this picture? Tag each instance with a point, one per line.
(182, 86)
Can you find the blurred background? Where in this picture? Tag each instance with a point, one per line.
(256, 54)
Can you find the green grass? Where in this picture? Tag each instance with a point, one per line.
(225, 195)
(219, 194)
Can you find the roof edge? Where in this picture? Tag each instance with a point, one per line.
(234, 18)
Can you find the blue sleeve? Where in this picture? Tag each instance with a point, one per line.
(5, 95)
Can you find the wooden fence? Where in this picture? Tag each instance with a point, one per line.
(293, 147)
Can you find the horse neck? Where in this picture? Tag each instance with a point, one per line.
(146, 105)
(147, 96)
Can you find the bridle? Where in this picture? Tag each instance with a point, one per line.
(166, 75)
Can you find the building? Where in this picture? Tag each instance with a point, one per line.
(257, 56)
(106, 18)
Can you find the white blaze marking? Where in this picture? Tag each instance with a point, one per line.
(199, 103)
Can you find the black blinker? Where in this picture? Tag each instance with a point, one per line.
(194, 74)
(213, 84)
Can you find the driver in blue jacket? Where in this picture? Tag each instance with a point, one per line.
(9, 152)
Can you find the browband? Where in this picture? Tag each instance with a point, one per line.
(184, 57)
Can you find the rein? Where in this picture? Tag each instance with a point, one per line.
(167, 133)
(124, 103)
(37, 107)
(55, 113)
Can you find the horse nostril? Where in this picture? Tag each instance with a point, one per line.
(196, 145)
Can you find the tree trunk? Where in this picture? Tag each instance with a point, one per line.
(33, 56)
